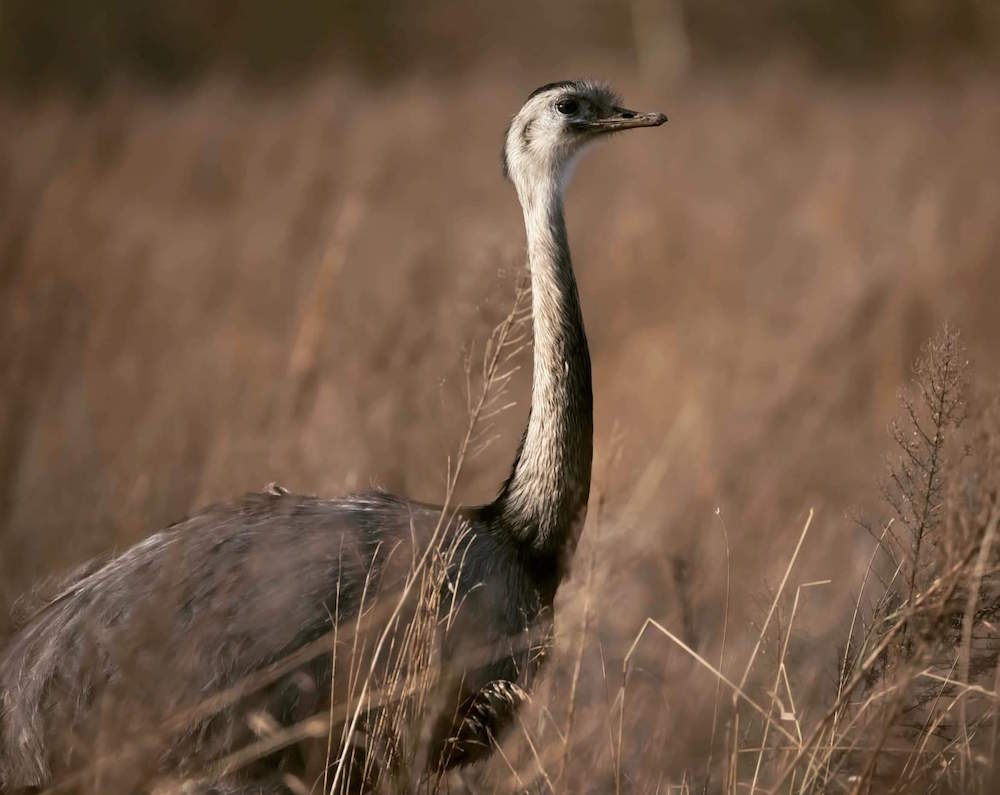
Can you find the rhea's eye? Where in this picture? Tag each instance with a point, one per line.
(567, 107)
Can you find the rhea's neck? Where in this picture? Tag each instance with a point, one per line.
(545, 497)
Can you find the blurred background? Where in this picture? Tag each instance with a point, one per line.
(244, 242)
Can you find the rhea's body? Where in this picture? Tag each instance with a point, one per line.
(194, 610)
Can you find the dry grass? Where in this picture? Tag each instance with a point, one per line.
(205, 292)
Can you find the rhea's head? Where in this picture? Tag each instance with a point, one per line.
(554, 125)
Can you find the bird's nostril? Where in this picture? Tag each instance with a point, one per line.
(627, 114)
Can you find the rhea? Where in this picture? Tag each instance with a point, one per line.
(235, 590)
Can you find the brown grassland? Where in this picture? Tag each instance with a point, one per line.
(207, 290)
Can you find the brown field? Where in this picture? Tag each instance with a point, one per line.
(205, 291)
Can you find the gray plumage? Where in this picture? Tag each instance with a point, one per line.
(121, 648)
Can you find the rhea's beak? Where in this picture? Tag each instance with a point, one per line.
(624, 119)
